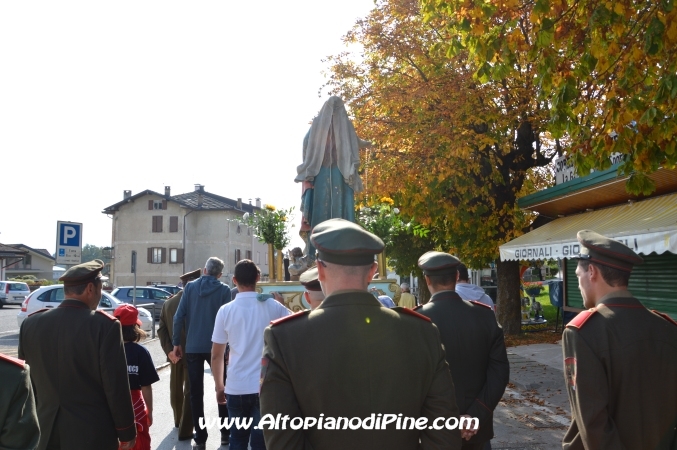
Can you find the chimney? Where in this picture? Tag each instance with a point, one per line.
(199, 188)
(250, 201)
(168, 191)
(239, 203)
(126, 195)
(258, 202)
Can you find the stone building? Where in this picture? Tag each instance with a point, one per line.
(175, 234)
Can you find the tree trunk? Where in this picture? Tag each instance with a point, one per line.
(508, 302)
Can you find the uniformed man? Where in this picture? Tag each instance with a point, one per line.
(313, 293)
(352, 359)
(18, 421)
(179, 386)
(620, 359)
(473, 343)
(79, 370)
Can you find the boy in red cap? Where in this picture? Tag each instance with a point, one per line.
(141, 372)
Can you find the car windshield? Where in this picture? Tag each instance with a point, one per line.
(18, 287)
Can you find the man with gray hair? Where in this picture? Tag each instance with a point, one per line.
(197, 311)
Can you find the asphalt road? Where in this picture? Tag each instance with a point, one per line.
(9, 329)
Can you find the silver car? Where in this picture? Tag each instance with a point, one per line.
(13, 293)
(52, 296)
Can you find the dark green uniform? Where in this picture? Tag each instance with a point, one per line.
(79, 373)
(18, 421)
(475, 350)
(352, 358)
(620, 364)
(179, 386)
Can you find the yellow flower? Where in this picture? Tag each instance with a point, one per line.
(388, 200)
(269, 207)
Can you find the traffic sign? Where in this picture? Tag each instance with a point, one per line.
(68, 242)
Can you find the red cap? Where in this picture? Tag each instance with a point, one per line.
(128, 315)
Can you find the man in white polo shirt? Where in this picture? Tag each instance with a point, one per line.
(240, 324)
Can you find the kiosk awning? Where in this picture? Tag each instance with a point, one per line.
(646, 226)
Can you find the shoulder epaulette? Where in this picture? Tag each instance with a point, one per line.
(581, 318)
(38, 311)
(106, 314)
(479, 303)
(289, 317)
(411, 312)
(12, 360)
(664, 316)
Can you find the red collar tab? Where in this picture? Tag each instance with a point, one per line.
(12, 360)
(289, 317)
(581, 318)
(411, 312)
(664, 316)
(107, 315)
(480, 303)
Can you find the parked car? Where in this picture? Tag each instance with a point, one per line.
(144, 294)
(13, 293)
(169, 288)
(52, 296)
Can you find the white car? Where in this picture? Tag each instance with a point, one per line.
(52, 296)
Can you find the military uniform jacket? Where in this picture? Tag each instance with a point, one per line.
(475, 348)
(79, 373)
(620, 365)
(165, 329)
(352, 358)
(18, 420)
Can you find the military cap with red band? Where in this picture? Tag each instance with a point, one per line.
(342, 242)
(605, 251)
(83, 273)
(438, 263)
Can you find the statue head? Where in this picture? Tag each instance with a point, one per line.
(296, 253)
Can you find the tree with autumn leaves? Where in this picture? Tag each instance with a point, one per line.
(607, 71)
(453, 153)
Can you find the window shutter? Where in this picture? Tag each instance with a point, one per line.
(150, 255)
(249, 254)
(163, 257)
(179, 255)
(154, 224)
(164, 204)
(237, 256)
(173, 224)
(150, 204)
(159, 224)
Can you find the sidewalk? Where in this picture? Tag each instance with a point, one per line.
(533, 414)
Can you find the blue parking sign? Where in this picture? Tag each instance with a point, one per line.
(68, 242)
(69, 234)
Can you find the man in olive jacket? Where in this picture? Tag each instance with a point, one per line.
(620, 359)
(18, 421)
(473, 343)
(351, 358)
(179, 386)
(79, 369)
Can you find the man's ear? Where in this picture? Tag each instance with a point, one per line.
(374, 269)
(320, 272)
(234, 280)
(258, 277)
(427, 279)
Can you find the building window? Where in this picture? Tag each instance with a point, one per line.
(239, 230)
(175, 255)
(249, 254)
(258, 257)
(266, 260)
(173, 224)
(157, 204)
(157, 255)
(237, 256)
(28, 259)
(157, 224)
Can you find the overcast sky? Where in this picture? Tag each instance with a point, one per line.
(99, 97)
